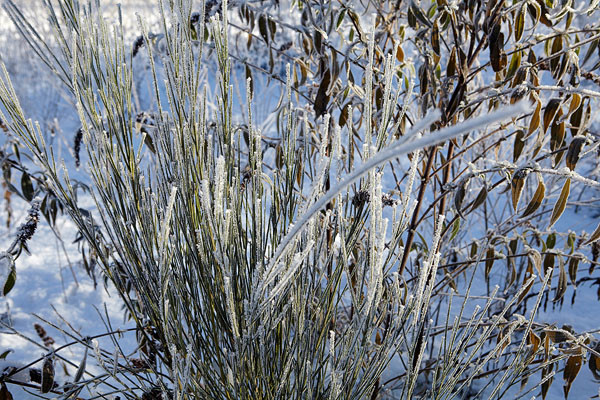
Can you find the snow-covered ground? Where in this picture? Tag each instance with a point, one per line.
(48, 287)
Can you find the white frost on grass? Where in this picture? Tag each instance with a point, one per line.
(400, 147)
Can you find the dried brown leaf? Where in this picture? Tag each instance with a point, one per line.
(594, 363)
(561, 203)
(550, 112)
(480, 199)
(399, 54)
(4, 393)
(459, 195)
(451, 68)
(535, 342)
(536, 199)
(549, 262)
(519, 144)
(557, 46)
(520, 23)
(575, 103)
(572, 368)
(546, 385)
(576, 119)
(517, 183)
(561, 287)
(47, 375)
(594, 236)
(490, 256)
(527, 284)
(535, 258)
(435, 38)
(535, 119)
(574, 261)
(574, 150)
(322, 98)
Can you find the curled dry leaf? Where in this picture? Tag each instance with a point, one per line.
(489, 262)
(459, 195)
(451, 67)
(546, 371)
(550, 112)
(576, 118)
(4, 393)
(594, 363)
(320, 105)
(561, 287)
(558, 335)
(518, 145)
(498, 57)
(520, 77)
(47, 375)
(435, 38)
(537, 199)
(595, 236)
(557, 137)
(535, 258)
(535, 341)
(574, 261)
(535, 118)
(527, 283)
(575, 103)
(572, 368)
(517, 183)
(574, 150)
(480, 199)
(503, 339)
(549, 262)
(557, 46)
(520, 22)
(561, 203)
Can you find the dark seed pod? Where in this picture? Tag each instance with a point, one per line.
(26, 231)
(48, 340)
(77, 146)
(137, 45)
(387, 200)
(360, 198)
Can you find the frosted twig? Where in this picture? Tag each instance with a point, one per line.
(582, 91)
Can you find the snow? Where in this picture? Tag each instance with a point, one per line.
(47, 288)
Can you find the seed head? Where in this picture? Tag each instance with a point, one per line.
(27, 230)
